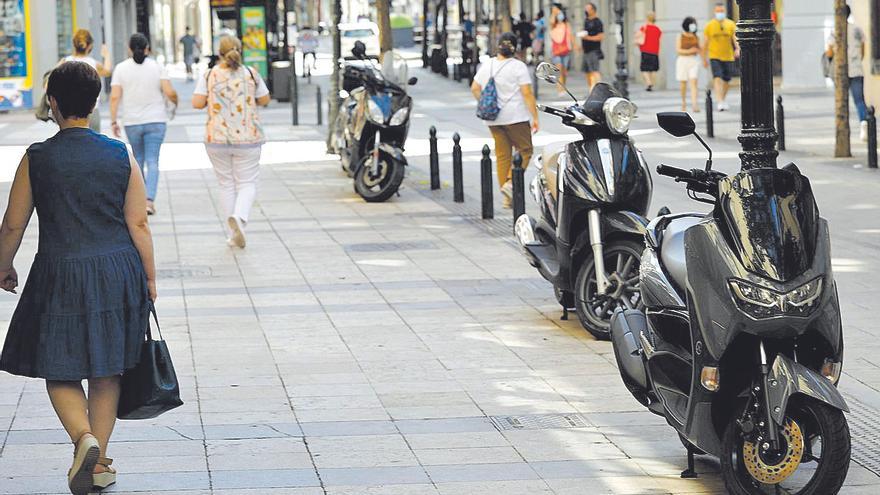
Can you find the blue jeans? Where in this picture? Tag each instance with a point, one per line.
(857, 88)
(146, 140)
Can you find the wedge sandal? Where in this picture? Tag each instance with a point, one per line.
(101, 481)
(85, 456)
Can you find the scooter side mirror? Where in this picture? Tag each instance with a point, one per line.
(547, 72)
(343, 94)
(412, 81)
(679, 124)
(359, 50)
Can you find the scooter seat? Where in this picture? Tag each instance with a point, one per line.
(672, 253)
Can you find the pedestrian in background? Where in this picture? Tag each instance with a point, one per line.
(142, 85)
(648, 39)
(511, 128)
(191, 46)
(524, 30)
(562, 43)
(591, 43)
(85, 307)
(687, 63)
(234, 137)
(82, 48)
(540, 35)
(720, 49)
(855, 51)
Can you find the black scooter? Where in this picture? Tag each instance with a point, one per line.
(593, 195)
(371, 128)
(740, 345)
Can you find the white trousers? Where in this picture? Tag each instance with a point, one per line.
(238, 171)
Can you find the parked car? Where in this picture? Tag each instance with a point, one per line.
(365, 32)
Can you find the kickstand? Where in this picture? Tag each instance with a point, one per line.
(564, 314)
(690, 473)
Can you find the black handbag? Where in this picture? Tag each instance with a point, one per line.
(150, 388)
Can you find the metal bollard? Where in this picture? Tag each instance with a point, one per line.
(434, 159)
(535, 83)
(486, 183)
(519, 187)
(456, 72)
(457, 182)
(780, 124)
(320, 109)
(872, 138)
(294, 93)
(710, 122)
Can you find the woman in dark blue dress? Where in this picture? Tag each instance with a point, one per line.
(84, 309)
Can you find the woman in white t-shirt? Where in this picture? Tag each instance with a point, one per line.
(517, 102)
(82, 48)
(142, 85)
(234, 137)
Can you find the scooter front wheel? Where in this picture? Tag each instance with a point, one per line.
(379, 182)
(622, 260)
(813, 457)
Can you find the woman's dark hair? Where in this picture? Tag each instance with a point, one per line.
(138, 44)
(540, 14)
(686, 24)
(75, 87)
(507, 44)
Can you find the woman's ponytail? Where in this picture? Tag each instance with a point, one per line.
(139, 44)
(82, 42)
(230, 51)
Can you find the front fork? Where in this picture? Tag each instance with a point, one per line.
(772, 432)
(595, 226)
(375, 160)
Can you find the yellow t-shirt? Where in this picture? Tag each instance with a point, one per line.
(720, 35)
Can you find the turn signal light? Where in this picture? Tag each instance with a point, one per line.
(831, 370)
(710, 377)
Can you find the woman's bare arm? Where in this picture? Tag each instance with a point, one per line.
(168, 91)
(15, 221)
(136, 219)
(199, 101)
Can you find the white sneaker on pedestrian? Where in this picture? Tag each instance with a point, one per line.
(863, 131)
(237, 229)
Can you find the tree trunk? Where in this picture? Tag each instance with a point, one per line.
(383, 19)
(841, 81)
(333, 97)
(504, 16)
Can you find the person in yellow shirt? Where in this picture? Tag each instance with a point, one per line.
(720, 49)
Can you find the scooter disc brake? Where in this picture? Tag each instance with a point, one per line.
(790, 459)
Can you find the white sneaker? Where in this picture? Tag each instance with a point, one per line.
(507, 189)
(237, 228)
(720, 106)
(863, 131)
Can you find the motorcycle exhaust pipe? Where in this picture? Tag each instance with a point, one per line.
(595, 227)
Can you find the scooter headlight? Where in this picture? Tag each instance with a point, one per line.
(399, 116)
(761, 302)
(375, 112)
(619, 113)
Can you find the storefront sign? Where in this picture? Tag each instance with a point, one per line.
(222, 3)
(253, 39)
(16, 82)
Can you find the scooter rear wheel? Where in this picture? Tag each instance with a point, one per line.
(622, 260)
(823, 443)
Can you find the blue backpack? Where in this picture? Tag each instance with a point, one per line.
(488, 107)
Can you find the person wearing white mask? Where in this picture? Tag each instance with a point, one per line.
(687, 64)
(720, 49)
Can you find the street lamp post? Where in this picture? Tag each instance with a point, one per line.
(622, 76)
(755, 32)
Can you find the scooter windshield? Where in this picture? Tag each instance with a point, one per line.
(772, 219)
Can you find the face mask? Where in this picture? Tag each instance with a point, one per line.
(560, 17)
(692, 27)
(720, 15)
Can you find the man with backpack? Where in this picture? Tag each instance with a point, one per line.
(503, 89)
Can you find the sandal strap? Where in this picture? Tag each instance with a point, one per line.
(83, 434)
(105, 461)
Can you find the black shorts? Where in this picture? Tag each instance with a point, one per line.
(722, 69)
(650, 62)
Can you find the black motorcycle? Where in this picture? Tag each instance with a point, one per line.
(371, 128)
(740, 345)
(593, 195)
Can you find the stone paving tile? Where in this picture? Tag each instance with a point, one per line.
(482, 472)
(367, 476)
(522, 487)
(264, 478)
